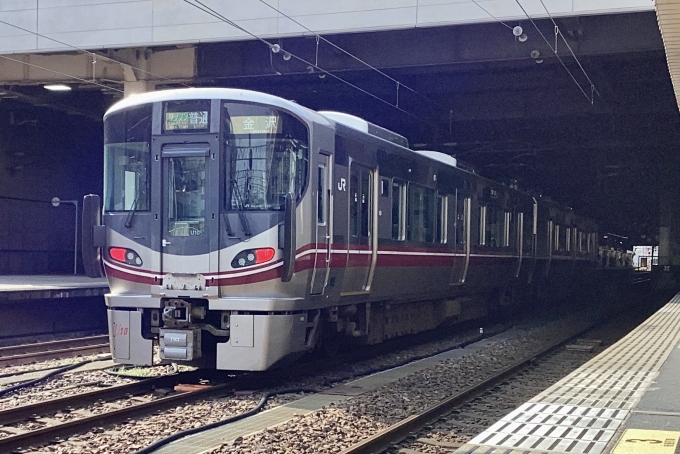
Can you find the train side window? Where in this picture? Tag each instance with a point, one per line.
(385, 187)
(366, 201)
(495, 221)
(482, 225)
(321, 198)
(460, 222)
(583, 241)
(507, 218)
(354, 202)
(442, 218)
(420, 213)
(528, 234)
(398, 209)
(567, 239)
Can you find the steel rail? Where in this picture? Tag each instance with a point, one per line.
(22, 412)
(382, 440)
(50, 432)
(23, 354)
(52, 345)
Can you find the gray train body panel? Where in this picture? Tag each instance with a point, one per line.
(387, 241)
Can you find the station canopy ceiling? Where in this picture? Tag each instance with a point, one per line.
(598, 132)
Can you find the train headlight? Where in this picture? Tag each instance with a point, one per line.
(123, 255)
(251, 257)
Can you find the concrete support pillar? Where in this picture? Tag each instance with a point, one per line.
(668, 271)
(665, 228)
(138, 86)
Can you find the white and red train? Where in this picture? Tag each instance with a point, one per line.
(240, 230)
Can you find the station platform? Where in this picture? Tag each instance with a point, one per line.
(624, 401)
(37, 307)
(36, 287)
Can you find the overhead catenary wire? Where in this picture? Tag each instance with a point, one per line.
(590, 98)
(94, 54)
(349, 54)
(487, 12)
(201, 6)
(557, 28)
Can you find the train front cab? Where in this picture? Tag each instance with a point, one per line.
(201, 202)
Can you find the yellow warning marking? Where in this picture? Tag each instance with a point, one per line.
(638, 441)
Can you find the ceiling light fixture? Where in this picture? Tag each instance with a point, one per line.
(57, 87)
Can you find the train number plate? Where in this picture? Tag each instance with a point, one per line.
(194, 282)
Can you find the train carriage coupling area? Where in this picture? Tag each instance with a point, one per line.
(624, 401)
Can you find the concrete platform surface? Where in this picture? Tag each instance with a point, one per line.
(626, 400)
(47, 287)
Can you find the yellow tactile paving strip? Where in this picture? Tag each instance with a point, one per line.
(581, 413)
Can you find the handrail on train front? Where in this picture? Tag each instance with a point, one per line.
(289, 243)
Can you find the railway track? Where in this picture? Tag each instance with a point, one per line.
(472, 410)
(34, 431)
(18, 355)
(34, 424)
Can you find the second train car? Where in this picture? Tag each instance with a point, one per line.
(240, 230)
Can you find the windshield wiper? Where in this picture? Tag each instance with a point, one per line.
(128, 221)
(239, 202)
(227, 225)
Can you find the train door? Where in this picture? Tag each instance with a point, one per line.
(462, 229)
(519, 241)
(323, 225)
(189, 176)
(529, 249)
(360, 234)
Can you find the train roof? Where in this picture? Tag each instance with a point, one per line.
(232, 94)
(366, 127)
(325, 117)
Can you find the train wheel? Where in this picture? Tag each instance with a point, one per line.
(330, 346)
(328, 341)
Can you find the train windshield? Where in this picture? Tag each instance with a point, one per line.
(127, 160)
(267, 155)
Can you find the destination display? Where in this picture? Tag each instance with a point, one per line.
(256, 124)
(175, 121)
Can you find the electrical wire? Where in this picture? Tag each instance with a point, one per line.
(270, 45)
(382, 73)
(484, 9)
(589, 98)
(557, 28)
(94, 54)
(60, 73)
(32, 382)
